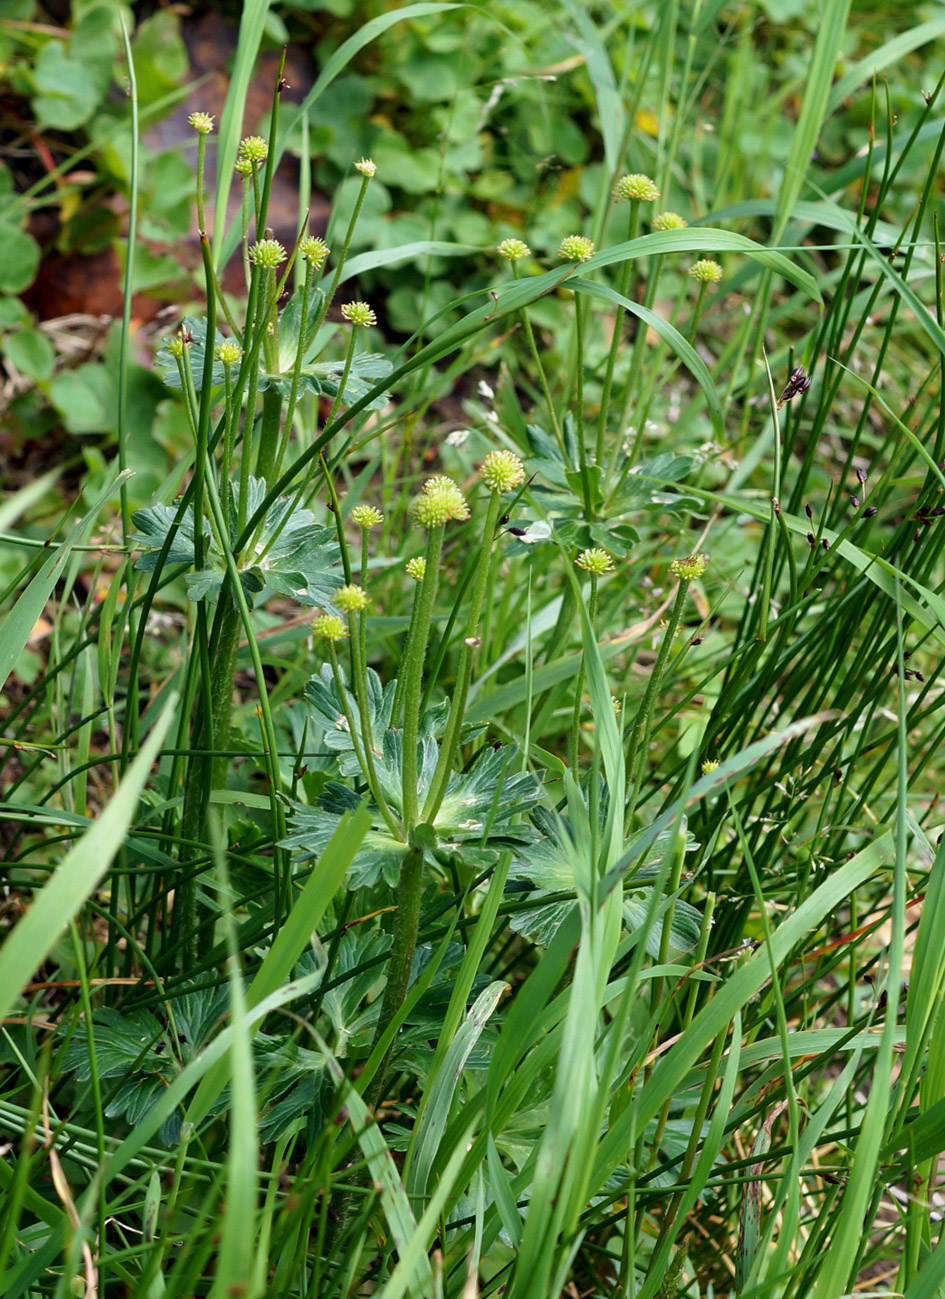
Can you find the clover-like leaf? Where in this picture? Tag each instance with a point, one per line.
(294, 555)
(542, 878)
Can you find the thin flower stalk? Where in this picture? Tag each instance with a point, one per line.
(623, 288)
(349, 235)
(414, 656)
(451, 735)
(542, 377)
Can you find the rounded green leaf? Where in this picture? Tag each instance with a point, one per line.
(19, 259)
(30, 352)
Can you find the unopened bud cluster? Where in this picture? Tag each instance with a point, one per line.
(329, 627)
(366, 516)
(513, 250)
(576, 248)
(359, 313)
(313, 250)
(201, 122)
(706, 271)
(352, 599)
(669, 221)
(267, 254)
(438, 503)
(687, 570)
(254, 150)
(596, 561)
(502, 471)
(416, 568)
(228, 352)
(635, 187)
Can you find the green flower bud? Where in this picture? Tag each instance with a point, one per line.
(352, 599)
(254, 149)
(635, 186)
(366, 167)
(359, 313)
(708, 767)
(417, 568)
(267, 253)
(687, 570)
(576, 248)
(244, 166)
(313, 250)
(440, 501)
(669, 221)
(706, 271)
(329, 627)
(228, 352)
(501, 471)
(513, 250)
(595, 560)
(175, 346)
(201, 122)
(366, 516)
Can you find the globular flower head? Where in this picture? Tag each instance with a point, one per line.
(253, 149)
(352, 599)
(175, 346)
(201, 122)
(358, 313)
(706, 271)
(709, 766)
(637, 187)
(616, 705)
(596, 561)
(366, 516)
(502, 471)
(245, 167)
(513, 250)
(313, 250)
(687, 570)
(416, 568)
(228, 352)
(669, 221)
(329, 627)
(576, 248)
(268, 254)
(440, 501)
(366, 167)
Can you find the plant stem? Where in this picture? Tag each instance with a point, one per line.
(542, 377)
(626, 271)
(451, 735)
(643, 723)
(414, 656)
(406, 929)
(579, 687)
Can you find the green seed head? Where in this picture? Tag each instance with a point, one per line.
(175, 346)
(687, 570)
(268, 254)
(637, 187)
(313, 250)
(440, 501)
(709, 766)
(254, 149)
(669, 221)
(366, 516)
(513, 250)
(706, 271)
(502, 471)
(366, 167)
(201, 122)
(576, 248)
(595, 560)
(244, 166)
(228, 352)
(352, 599)
(358, 313)
(417, 568)
(329, 627)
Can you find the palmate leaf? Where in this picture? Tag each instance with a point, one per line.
(194, 352)
(324, 700)
(294, 555)
(325, 377)
(478, 819)
(545, 872)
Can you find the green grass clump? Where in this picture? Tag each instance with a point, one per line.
(503, 859)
